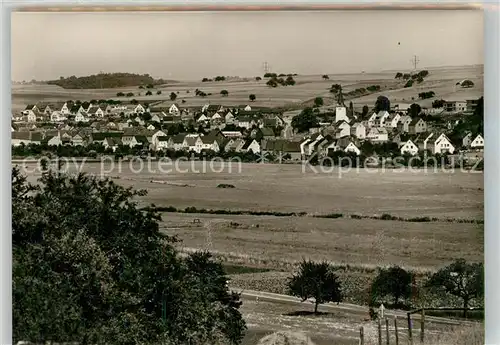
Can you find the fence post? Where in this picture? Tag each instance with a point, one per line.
(410, 336)
(361, 336)
(396, 329)
(422, 326)
(379, 332)
(387, 336)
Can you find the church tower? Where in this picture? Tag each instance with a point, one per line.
(340, 109)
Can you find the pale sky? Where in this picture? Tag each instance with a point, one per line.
(191, 45)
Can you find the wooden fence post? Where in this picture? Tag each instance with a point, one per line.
(410, 337)
(379, 332)
(387, 336)
(422, 326)
(396, 329)
(361, 336)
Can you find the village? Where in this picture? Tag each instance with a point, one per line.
(167, 126)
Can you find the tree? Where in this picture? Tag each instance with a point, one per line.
(173, 96)
(315, 280)
(467, 83)
(393, 281)
(258, 78)
(204, 80)
(406, 76)
(409, 83)
(158, 92)
(325, 77)
(318, 101)
(289, 81)
(351, 109)
(305, 120)
(399, 75)
(438, 103)
(120, 94)
(335, 88)
(149, 93)
(423, 73)
(364, 111)
(252, 97)
(414, 110)
(130, 94)
(382, 103)
(272, 82)
(90, 266)
(224, 93)
(461, 279)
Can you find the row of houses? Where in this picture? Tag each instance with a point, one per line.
(433, 142)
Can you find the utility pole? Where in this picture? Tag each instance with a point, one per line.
(415, 61)
(266, 67)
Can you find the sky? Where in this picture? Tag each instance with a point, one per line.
(192, 45)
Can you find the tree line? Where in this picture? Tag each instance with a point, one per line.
(392, 286)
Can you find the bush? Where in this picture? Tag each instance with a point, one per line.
(224, 185)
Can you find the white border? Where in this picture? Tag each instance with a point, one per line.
(491, 132)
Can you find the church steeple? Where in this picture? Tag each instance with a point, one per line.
(340, 98)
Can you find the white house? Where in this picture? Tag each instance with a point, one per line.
(192, 143)
(247, 108)
(438, 144)
(209, 143)
(392, 121)
(174, 109)
(229, 118)
(341, 114)
(96, 111)
(352, 148)
(467, 140)
(251, 146)
(30, 116)
(372, 120)
(162, 143)
(80, 117)
(409, 148)
(382, 117)
(377, 135)
(343, 129)
(56, 116)
(404, 124)
(216, 117)
(358, 130)
(202, 118)
(477, 143)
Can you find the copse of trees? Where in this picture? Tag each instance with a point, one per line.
(108, 274)
(409, 83)
(258, 78)
(105, 80)
(305, 120)
(224, 93)
(270, 75)
(438, 103)
(335, 88)
(149, 93)
(173, 96)
(427, 94)
(315, 280)
(373, 88)
(399, 75)
(325, 77)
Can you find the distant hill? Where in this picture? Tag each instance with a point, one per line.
(106, 81)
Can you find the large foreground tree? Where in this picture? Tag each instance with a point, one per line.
(90, 266)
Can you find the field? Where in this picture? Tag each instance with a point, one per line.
(287, 188)
(441, 80)
(278, 243)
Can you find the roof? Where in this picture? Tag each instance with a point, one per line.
(178, 139)
(163, 138)
(415, 120)
(267, 132)
(30, 136)
(191, 141)
(103, 135)
(141, 139)
(113, 141)
(30, 107)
